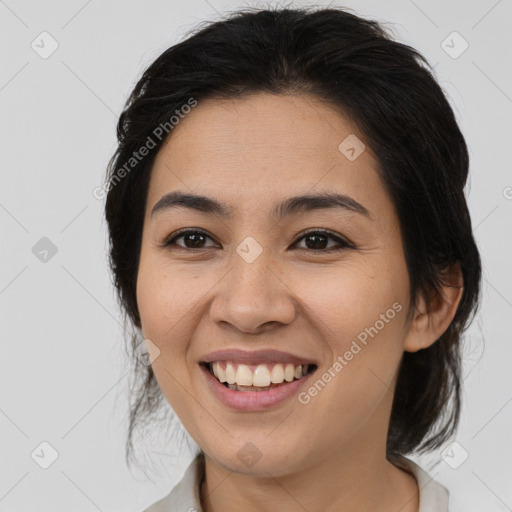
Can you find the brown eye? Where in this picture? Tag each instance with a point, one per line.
(192, 239)
(318, 241)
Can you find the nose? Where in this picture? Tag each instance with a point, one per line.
(252, 297)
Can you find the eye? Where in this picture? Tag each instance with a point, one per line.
(318, 239)
(196, 238)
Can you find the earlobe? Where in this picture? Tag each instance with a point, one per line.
(427, 327)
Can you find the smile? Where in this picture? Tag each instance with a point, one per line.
(262, 377)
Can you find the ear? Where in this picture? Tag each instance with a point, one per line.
(426, 328)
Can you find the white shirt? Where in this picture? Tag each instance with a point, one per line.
(185, 496)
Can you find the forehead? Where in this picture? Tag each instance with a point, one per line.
(265, 147)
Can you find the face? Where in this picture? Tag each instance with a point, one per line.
(323, 283)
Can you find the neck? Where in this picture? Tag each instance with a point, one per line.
(336, 483)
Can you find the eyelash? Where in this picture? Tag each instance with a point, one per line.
(345, 244)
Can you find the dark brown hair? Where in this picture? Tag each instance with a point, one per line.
(388, 90)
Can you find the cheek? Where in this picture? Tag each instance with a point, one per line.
(169, 306)
(162, 297)
(164, 322)
(365, 356)
(360, 313)
(349, 299)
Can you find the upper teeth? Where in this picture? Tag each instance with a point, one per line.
(262, 376)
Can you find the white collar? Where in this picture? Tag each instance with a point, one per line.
(185, 496)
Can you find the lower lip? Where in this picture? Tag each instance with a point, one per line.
(253, 400)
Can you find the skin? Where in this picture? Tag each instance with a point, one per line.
(251, 153)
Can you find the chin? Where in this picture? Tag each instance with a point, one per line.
(259, 458)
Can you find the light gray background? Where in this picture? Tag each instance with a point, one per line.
(63, 376)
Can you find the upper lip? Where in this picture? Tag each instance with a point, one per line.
(255, 357)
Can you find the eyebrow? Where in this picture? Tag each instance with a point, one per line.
(290, 206)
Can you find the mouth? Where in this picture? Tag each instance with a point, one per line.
(262, 377)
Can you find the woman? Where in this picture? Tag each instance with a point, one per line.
(290, 237)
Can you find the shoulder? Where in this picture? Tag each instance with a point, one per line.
(433, 496)
(461, 498)
(185, 495)
(162, 505)
(467, 498)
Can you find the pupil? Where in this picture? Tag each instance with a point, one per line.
(322, 243)
(196, 239)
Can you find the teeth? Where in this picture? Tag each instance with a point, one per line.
(289, 372)
(244, 375)
(241, 378)
(261, 377)
(277, 374)
(249, 388)
(230, 373)
(221, 374)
